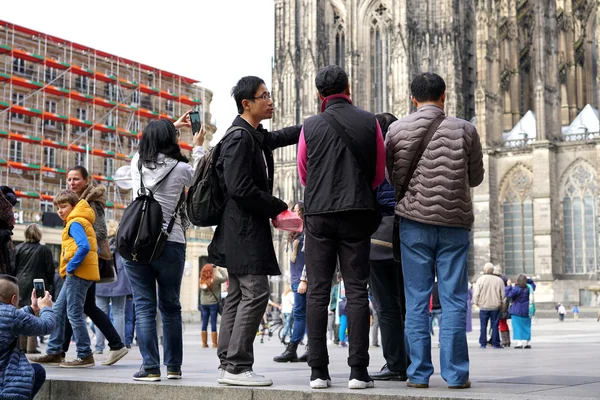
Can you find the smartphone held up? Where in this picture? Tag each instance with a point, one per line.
(196, 121)
(40, 288)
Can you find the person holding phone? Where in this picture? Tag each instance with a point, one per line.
(159, 157)
(33, 261)
(20, 379)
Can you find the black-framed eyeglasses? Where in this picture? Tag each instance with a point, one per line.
(264, 96)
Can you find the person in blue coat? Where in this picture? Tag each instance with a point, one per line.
(19, 379)
(519, 294)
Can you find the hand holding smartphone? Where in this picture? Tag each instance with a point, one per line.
(196, 121)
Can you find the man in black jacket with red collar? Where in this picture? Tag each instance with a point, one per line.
(341, 159)
(243, 242)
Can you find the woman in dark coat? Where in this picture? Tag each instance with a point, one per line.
(8, 199)
(32, 261)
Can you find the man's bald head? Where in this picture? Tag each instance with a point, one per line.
(9, 289)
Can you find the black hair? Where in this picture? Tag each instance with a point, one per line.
(427, 87)
(159, 136)
(385, 120)
(9, 195)
(331, 80)
(81, 169)
(245, 89)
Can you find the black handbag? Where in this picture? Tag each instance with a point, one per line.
(219, 302)
(108, 270)
(413, 166)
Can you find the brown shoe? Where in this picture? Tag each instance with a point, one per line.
(79, 362)
(204, 335)
(214, 339)
(417, 385)
(465, 385)
(51, 359)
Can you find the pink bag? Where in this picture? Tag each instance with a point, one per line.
(288, 221)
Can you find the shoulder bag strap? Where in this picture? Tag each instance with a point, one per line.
(350, 144)
(422, 147)
(176, 211)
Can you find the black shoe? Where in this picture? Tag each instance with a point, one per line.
(147, 375)
(289, 355)
(518, 347)
(319, 378)
(304, 357)
(527, 347)
(385, 374)
(173, 372)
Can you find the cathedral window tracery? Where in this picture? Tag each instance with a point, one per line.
(379, 35)
(517, 207)
(580, 220)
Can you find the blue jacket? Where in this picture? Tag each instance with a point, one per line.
(386, 198)
(16, 374)
(519, 298)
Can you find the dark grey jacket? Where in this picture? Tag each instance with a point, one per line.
(439, 191)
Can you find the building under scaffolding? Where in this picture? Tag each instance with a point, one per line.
(64, 104)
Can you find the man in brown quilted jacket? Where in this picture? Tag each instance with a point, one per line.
(436, 215)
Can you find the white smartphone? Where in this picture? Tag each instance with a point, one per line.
(40, 287)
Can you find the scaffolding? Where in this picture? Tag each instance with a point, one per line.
(64, 104)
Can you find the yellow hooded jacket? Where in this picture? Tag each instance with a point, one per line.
(88, 270)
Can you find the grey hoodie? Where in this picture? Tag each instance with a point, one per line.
(168, 193)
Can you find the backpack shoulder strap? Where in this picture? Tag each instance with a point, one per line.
(159, 183)
(236, 128)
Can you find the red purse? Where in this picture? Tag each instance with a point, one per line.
(288, 221)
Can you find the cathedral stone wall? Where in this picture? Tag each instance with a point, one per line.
(500, 59)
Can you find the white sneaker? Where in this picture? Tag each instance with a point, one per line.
(115, 355)
(248, 378)
(320, 384)
(221, 375)
(356, 384)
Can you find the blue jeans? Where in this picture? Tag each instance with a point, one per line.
(343, 327)
(70, 305)
(435, 314)
(129, 321)
(287, 326)
(114, 307)
(494, 317)
(299, 315)
(209, 310)
(165, 272)
(39, 377)
(424, 248)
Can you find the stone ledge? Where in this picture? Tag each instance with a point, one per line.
(78, 390)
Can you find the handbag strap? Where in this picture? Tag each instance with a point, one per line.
(214, 295)
(350, 144)
(422, 147)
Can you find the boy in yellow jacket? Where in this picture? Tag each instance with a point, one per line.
(79, 266)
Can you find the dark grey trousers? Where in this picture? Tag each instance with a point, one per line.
(245, 305)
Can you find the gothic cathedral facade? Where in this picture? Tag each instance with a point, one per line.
(524, 72)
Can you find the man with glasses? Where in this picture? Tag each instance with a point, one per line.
(242, 242)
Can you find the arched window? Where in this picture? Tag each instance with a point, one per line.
(517, 208)
(379, 58)
(580, 220)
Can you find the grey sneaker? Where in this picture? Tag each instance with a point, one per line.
(248, 378)
(221, 375)
(115, 355)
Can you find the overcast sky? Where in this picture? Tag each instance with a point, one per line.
(214, 41)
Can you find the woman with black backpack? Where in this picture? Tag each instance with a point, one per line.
(159, 167)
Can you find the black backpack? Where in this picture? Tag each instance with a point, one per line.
(141, 237)
(205, 199)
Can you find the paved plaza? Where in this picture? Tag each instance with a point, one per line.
(564, 363)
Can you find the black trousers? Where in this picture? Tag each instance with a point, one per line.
(100, 320)
(344, 235)
(387, 289)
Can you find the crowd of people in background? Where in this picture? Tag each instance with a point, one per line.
(386, 217)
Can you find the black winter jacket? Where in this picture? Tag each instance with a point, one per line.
(243, 242)
(33, 261)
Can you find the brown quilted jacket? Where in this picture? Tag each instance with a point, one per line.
(439, 192)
